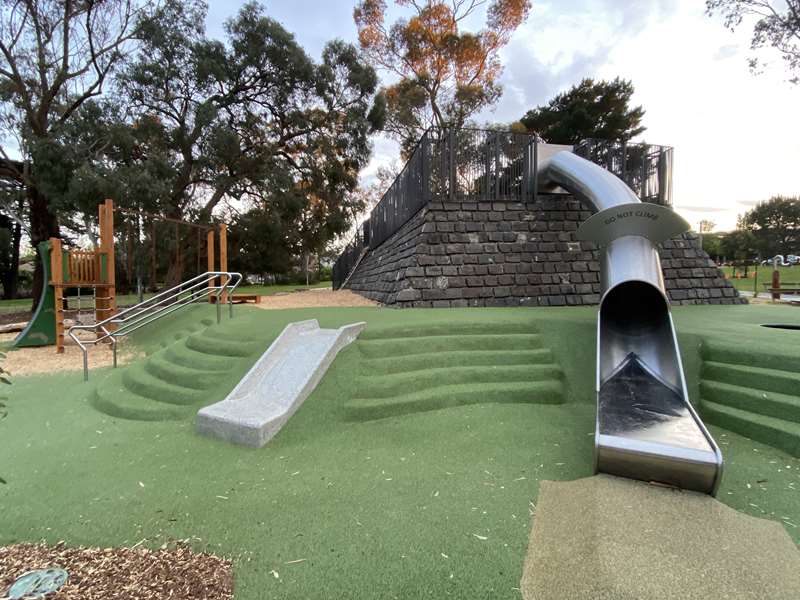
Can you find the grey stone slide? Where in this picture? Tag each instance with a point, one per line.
(277, 384)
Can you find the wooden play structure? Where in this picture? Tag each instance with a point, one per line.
(94, 271)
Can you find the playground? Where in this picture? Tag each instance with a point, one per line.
(369, 490)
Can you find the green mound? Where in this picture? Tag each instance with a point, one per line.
(414, 504)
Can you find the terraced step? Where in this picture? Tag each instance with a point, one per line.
(182, 355)
(446, 396)
(778, 433)
(139, 381)
(383, 386)
(770, 380)
(770, 404)
(191, 377)
(221, 347)
(435, 329)
(454, 358)
(742, 354)
(383, 348)
(114, 399)
(225, 334)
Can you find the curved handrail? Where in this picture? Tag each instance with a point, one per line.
(162, 304)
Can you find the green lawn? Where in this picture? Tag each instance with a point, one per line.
(24, 304)
(425, 504)
(790, 277)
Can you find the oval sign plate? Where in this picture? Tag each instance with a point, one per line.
(37, 584)
(655, 222)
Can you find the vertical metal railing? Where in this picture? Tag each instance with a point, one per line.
(129, 320)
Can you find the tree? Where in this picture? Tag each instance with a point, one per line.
(54, 56)
(775, 225)
(777, 25)
(251, 118)
(588, 110)
(445, 74)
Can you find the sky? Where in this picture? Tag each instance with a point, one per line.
(736, 135)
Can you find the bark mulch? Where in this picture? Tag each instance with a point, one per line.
(176, 573)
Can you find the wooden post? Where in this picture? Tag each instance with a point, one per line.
(108, 305)
(223, 254)
(210, 252)
(57, 281)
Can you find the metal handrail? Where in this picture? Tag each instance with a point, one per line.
(162, 304)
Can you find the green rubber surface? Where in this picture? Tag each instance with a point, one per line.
(422, 504)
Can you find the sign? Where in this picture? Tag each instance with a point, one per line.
(652, 221)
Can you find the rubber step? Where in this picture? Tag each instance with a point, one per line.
(533, 392)
(770, 380)
(139, 381)
(112, 398)
(742, 354)
(180, 354)
(454, 358)
(162, 368)
(220, 347)
(383, 386)
(435, 329)
(228, 334)
(446, 343)
(777, 433)
(769, 404)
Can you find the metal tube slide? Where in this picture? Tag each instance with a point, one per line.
(646, 426)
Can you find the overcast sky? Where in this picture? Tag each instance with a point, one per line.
(736, 135)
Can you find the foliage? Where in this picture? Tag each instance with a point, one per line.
(445, 74)
(54, 57)
(739, 245)
(712, 245)
(775, 225)
(590, 109)
(777, 25)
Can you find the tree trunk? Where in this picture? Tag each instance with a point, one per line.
(44, 225)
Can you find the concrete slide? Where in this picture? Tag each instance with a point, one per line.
(646, 427)
(276, 385)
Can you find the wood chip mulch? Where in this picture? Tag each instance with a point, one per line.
(175, 573)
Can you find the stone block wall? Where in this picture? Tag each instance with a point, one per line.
(466, 253)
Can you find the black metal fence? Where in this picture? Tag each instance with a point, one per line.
(646, 168)
(485, 165)
(349, 257)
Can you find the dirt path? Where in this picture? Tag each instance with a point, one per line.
(43, 359)
(314, 298)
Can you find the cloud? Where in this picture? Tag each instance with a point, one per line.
(703, 209)
(727, 51)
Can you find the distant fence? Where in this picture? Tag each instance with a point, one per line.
(483, 166)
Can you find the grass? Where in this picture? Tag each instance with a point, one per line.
(24, 304)
(790, 277)
(423, 504)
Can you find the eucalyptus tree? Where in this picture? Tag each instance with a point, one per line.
(55, 55)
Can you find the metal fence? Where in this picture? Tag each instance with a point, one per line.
(484, 165)
(646, 168)
(349, 257)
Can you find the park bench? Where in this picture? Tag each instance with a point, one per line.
(241, 298)
(776, 292)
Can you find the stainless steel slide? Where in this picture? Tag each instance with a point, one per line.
(646, 427)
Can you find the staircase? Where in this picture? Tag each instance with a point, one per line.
(429, 367)
(753, 394)
(175, 381)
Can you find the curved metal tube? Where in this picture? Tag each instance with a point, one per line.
(646, 427)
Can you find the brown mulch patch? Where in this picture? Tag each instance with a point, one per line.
(131, 574)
